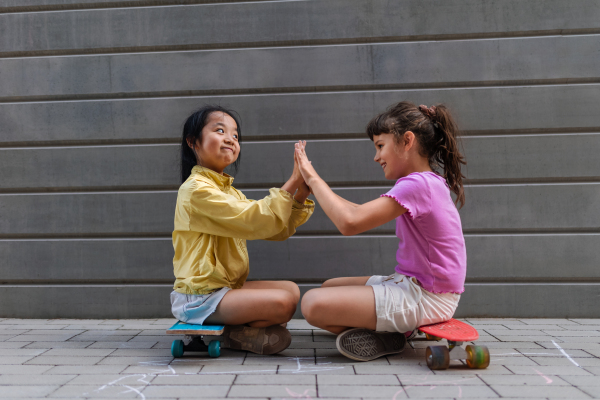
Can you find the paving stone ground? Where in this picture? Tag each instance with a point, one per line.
(66, 359)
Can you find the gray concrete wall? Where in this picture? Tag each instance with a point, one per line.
(93, 95)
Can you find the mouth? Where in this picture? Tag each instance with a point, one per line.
(383, 165)
(228, 148)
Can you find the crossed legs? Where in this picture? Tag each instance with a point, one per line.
(273, 303)
(341, 303)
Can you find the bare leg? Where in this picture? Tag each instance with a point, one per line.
(275, 303)
(336, 309)
(346, 281)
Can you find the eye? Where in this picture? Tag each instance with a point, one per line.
(235, 137)
(220, 130)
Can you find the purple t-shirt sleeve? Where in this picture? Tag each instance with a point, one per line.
(413, 193)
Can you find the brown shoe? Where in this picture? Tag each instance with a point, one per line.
(269, 340)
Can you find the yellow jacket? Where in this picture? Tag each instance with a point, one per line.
(213, 220)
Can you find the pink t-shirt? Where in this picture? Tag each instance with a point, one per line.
(432, 246)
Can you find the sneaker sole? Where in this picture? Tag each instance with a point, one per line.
(365, 345)
(269, 340)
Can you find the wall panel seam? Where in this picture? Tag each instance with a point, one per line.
(299, 43)
(273, 91)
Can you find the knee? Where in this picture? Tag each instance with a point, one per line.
(311, 304)
(329, 283)
(286, 304)
(294, 290)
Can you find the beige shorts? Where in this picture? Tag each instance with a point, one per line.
(403, 305)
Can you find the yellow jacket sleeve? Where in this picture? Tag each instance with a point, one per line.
(221, 214)
(300, 214)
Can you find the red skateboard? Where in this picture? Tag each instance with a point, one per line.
(455, 332)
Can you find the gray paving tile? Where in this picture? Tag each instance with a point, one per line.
(23, 369)
(593, 391)
(312, 345)
(509, 332)
(45, 338)
(134, 360)
(513, 361)
(84, 369)
(96, 391)
(123, 345)
(21, 352)
(546, 321)
(275, 379)
(492, 321)
(12, 345)
(14, 331)
(528, 380)
(303, 332)
(339, 359)
(14, 360)
(63, 360)
(79, 352)
(164, 338)
(456, 391)
(67, 321)
(305, 391)
(286, 353)
(101, 338)
(34, 331)
(582, 380)
(594, 352)
(94, 327)
(370, 369)
(111, 379)
(57, 345)
(586, 321)
(549, 370)
(575, 339)
(170, 380)
(493, 369)
(237, 369)
(365, 391)
(299, 324)
(593, 370)
(318, 370)
(37, 380)
(141, 352)
(580, 327)
(167, 369)
(323, 338)
(430, 379)
(525, 338)
(15, 321)
(554, 353)
(6, 337)
(573, 346)
(568, 333)
(25, 391)
(510, 345)
(185, 392)
(278, 360)
(584, 362)
(525, 327)
(363, 380)
(551, 392)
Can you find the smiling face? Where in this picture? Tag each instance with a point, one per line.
(390, 155)
(219, 146)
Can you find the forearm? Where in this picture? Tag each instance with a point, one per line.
(339, 210)
(292, 185)
(302, 194)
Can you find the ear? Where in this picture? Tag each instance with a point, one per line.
(190, 143)
(409, 140)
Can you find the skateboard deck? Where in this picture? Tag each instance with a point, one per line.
(181, 328)
(195, 337)
(453, 330)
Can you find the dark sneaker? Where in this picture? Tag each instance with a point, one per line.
(269, 340)
(364, 344)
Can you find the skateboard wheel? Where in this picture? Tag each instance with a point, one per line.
(214, 348)
(438, 357)
(177, 348)
(479, 356)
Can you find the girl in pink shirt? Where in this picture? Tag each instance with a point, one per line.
(417, 147)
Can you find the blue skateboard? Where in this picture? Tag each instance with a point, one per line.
(195, 338)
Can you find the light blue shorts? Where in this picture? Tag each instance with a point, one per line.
(194, 308)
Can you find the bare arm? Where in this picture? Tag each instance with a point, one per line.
(349, 218)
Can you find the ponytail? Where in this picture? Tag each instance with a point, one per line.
(437, 135)
(445, 152)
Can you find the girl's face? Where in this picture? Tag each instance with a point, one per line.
(392, 156)
(219, 146)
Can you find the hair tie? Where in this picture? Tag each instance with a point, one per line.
(430, 112)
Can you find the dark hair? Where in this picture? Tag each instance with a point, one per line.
(436, 133)
(192, 129)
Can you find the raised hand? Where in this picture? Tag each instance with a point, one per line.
(304, 164)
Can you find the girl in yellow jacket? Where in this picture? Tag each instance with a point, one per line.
(213, 220)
